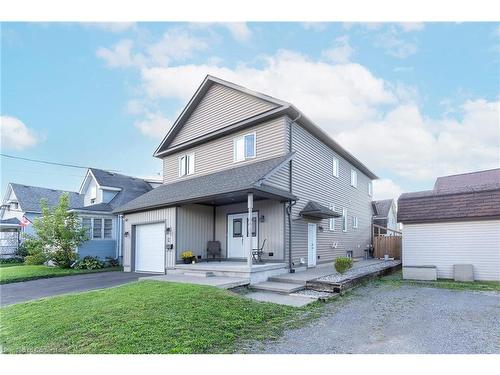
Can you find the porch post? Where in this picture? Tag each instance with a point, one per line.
(248, 243)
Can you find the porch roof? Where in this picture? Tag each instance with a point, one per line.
(227, 186)
(315, 210)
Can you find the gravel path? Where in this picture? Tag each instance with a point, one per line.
(406, 319)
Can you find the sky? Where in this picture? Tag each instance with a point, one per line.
(412, 101)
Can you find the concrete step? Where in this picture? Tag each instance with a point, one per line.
(272, 286)
(191, 273)
(281, 299)
(286, 279)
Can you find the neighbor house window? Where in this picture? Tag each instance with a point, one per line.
(96, 228)
(354, 178)
(332, 219)
(336, 164)
(344, 220)
(244, 147)
(87, 224)
(370, 188)
(186, 164)
(108, 228)
(355, 222)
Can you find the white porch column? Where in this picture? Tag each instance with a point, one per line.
(248, 243)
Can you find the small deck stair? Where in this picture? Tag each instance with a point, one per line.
(278, 287)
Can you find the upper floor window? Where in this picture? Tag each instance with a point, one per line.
(336, 165)
(186, 164)
(355, 222)
(244, 147)
(14, 205)
(344, 220)
(370, 188)
(332, 219)
(354, 178)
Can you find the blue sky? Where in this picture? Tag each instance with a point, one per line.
(412, 101)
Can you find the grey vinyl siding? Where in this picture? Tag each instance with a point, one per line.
(313, 179)
(195, 227)
(221, 106)
(280, 179)
(271, 229)
(166, 215)
(216, 155)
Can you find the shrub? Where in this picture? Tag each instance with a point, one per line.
(112, 262)
(63, 258)
(35, 258)
(342, 264)
(22, 251)
(11, 260)
(89, 263)
(36, 253)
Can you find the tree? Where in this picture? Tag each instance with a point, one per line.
(58, 232)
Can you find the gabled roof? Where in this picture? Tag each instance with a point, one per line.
(317, 211)
(249, 177)
(283, 108)
(13, 222)
(127, 187)
(381, 208)
(471, 196)
(29, 197)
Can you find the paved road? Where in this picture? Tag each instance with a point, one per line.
(34, 289)
(385, 319)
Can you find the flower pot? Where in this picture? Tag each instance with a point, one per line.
(186, 260)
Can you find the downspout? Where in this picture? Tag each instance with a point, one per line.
(291, 203)
(120, 239)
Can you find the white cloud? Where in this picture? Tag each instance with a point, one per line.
(315, 26)
(155, 125)
(239, 30)
(114, 27)
(411, 26)
(336, 96)
(341, 52)
(385, 188)
(394, 45)
(120, 55)
(418, 148)
(15, 134)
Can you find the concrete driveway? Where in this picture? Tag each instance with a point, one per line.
(406, 319)
(34, 289)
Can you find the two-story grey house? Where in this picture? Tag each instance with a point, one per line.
(241, 168)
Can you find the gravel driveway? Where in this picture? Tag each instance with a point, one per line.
(406, 319)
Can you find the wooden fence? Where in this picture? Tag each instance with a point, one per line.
(388, 243)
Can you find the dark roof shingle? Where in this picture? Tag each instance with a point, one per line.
(29, 197)
(381, 208)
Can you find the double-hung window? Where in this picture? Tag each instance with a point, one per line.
(108, 228)
(354, 178)
(186, 164)
(355, 222)
(344, 220)
(87, 224)
(332, 219)
(244, 147)
(370, 188)
(336, 165)
(98, 228)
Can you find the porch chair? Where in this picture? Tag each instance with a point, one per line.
(214, 250)
(257, 253)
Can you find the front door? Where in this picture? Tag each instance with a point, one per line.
(311, 245)
(236, 232)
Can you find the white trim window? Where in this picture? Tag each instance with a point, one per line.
(370, 188)
(186, 164)
(87, 224)
(335, 167)
(354, 178)
(344, 220)
(355, 222)
(245, 147)
(98, 228)
(332, 219)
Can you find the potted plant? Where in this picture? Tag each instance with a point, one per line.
(187, 256)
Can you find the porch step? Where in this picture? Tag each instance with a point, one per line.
(191, 273)
(286, 279)
(277, 287)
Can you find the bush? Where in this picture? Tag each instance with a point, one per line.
(36, 254)
(11, 260)
(88, 263)
(63, 258)
(112, 262)
(22, 251)
(342, 264)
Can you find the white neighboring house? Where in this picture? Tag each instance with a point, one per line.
(458, 222)
(385, 215)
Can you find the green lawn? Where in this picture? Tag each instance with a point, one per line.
(14, 273)
(396, 279)
(144, 317)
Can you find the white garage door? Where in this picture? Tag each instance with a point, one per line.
(150, 248)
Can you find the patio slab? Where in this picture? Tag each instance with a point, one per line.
(217, 281)
(281, 299)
